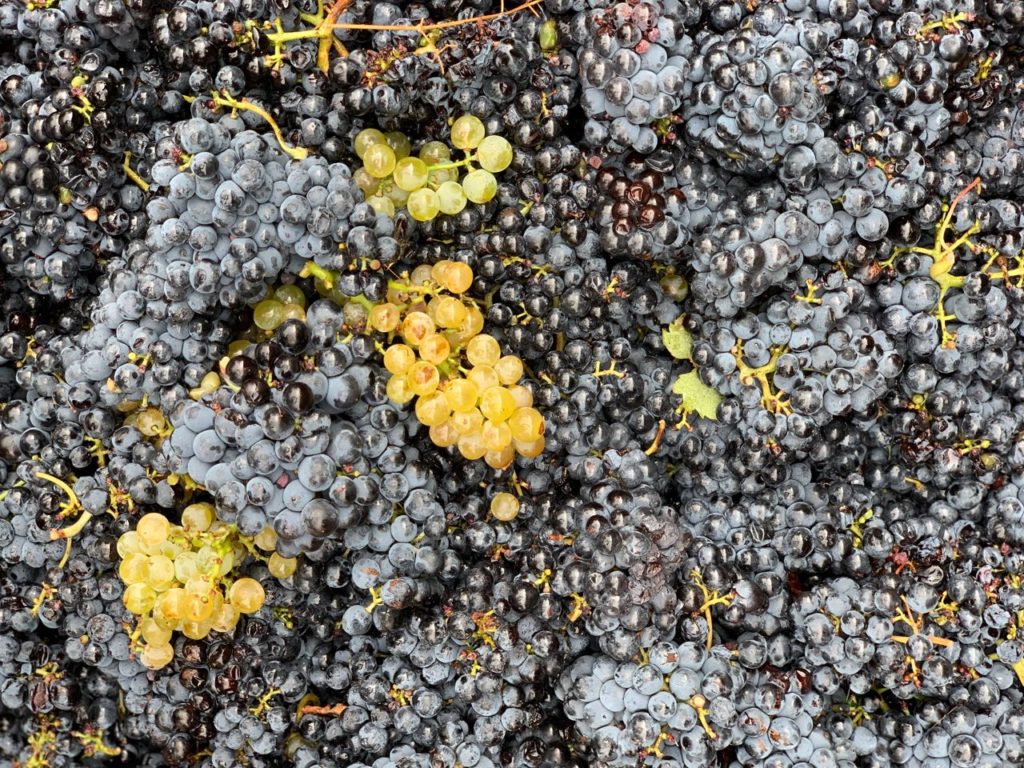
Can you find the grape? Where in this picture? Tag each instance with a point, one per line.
(399, 142)
(410, 174)
(484, 377)
(423, 204)
(449, 313)
(384, 317)
(444, 435)
(467, 132)
(530, 449)
(480, 186)
(367, 138)
(398, 358)
(494, 154)
(469, 422)
(384, 206)
(432, 410)
(268, 314)
(247, 595)
(471, 446)
(435, 348)
(379, 161)
(423, 378)
(152, 529)
(504, 507)
(134, 568)
(395, 194)
(483, 350)
(290, 294)
(500, 460)
(281, 567)
(451, 197)
(139, 598)
(160, 573)
(416, 327)
(462, 395)
(526, 424)
(156, 656)
(197, 517)
(496, 436)
(435, 153)
(509, 369)
(439, 176)
(497, 405)
(367, 183)
(198, 608)
(458, 279)
(153, 633)
(399, 391)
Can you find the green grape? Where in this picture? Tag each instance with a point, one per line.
(396, 194)
(384, 206)
(434, 152)
(423, 204)
(399, 142)
(451, 197)
(411, 173)
(365, 181)
(480, 186)
(467, 132)
(268, 314)
(494, 154)
(441, 175)
(366, 138)
(379, 161)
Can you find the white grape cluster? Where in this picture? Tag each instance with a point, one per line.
(429, 184)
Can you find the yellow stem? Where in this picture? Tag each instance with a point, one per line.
(222, 99)
(140, 182)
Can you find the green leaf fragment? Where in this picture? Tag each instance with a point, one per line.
(678, 340)
(698, 397)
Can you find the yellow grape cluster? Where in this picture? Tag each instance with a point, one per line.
(466, 391)
(430, 183)
(177, 578)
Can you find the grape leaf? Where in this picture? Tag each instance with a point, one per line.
(678, 340)
(698, 397)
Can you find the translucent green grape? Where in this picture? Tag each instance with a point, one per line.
(399, 142)
(494, 154)
(441, 175)
(467, 132)
(480, 186)
(384, 206)
(366, 138)
(451, 197)
(379, 161)
(365, 181)
(268, 314)
(411, 173)
(423, 204)
(396, 194)
(434, 152)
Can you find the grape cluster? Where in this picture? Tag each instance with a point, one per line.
(177, 578)
(635, 62)
(429, 184)
(758, 101)
(482, 410)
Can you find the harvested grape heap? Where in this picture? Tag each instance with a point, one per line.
(473, 384)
